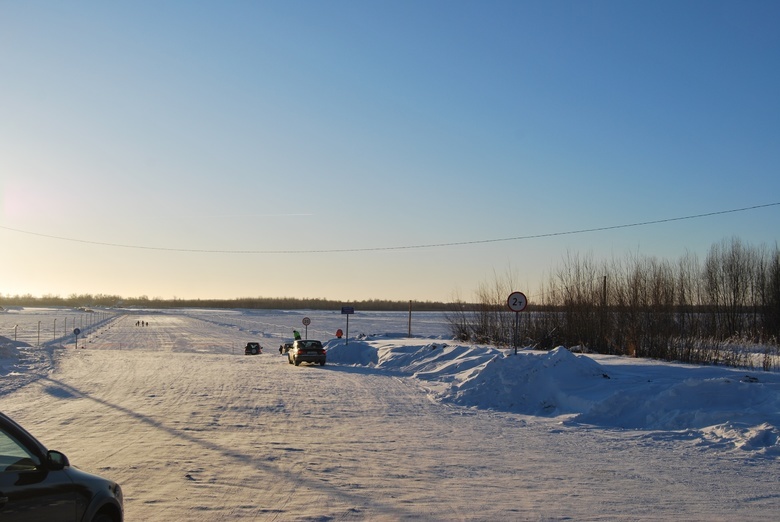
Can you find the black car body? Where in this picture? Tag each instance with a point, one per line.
(306, 351)
(284, 348)
(253, 349)
(40, 485)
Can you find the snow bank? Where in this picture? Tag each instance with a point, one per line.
(9, 353)
(725, 407)
(694, 403)
(546, 383)
(21, 364)
(357, 352)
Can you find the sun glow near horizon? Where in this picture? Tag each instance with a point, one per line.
(138, 158)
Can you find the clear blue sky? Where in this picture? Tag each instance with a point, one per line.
(230, 149)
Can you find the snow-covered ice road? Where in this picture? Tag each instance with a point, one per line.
(194, 431)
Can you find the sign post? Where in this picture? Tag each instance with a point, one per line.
(76, 332)
(306, 322)
(517, 302)
(347, 310)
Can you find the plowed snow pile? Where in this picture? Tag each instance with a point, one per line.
(725, 407)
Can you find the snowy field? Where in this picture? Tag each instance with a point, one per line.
(392, 428)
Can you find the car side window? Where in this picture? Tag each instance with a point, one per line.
(14, 457)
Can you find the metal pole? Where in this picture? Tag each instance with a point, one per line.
(517, 329)
(347, 341)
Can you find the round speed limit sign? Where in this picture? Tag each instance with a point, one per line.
(306, 321)
(517, 301)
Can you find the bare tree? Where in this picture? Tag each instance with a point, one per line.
(647, 307)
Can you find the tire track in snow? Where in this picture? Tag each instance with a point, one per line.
(202, 434)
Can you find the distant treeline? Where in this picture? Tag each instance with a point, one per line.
(263, 303)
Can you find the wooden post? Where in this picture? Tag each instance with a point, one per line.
(410, 318)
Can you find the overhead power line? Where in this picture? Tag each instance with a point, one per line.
(402, 247)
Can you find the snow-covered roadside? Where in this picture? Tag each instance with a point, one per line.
(21, 364)
(725, 408)
(393, 428)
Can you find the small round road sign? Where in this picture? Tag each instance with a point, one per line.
(76, 331)
(517, 301)
(306, 321)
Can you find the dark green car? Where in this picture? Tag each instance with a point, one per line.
(37, 484)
